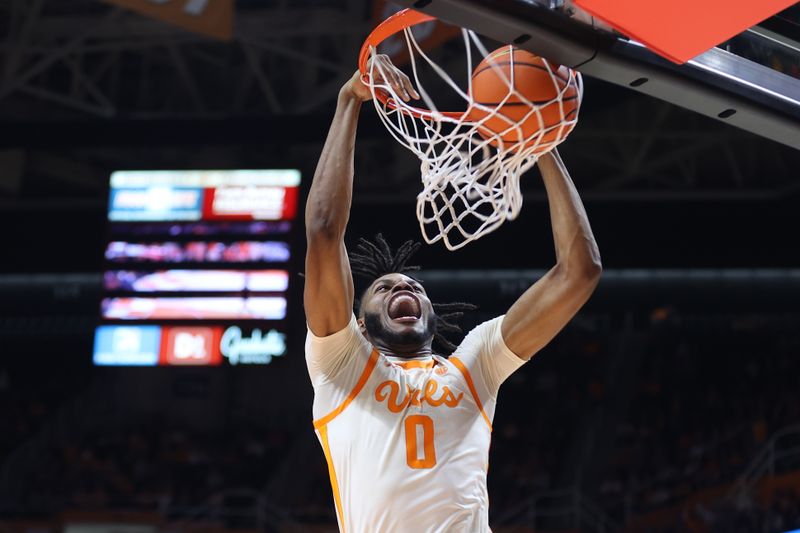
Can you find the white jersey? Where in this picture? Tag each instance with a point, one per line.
(407, 440)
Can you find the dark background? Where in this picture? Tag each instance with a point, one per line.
(646, 412)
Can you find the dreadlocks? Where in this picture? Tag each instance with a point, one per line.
(375, 259)
(371, 260)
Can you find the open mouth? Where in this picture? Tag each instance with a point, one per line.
(404, 307)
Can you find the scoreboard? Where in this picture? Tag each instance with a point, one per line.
(196, 267)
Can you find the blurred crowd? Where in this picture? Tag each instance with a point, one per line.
(780, 514)
(711, 392)
(174, 470)
(538, 414)
(24, 410)
(177, 473)
(707, 394)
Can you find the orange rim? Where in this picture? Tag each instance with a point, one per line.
(396, 23)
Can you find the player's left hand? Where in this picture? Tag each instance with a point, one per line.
(385, 72)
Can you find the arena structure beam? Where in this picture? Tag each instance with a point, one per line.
(718, 84)
(108, 62)
(66, 304)
(620, 289)
(687, 157)
(90, 82)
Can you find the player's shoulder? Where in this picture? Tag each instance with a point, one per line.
(347, 336)
(481, 333)
(328, 356)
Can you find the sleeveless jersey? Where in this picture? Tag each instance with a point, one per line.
(407, 440)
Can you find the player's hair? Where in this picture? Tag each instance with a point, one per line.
(371, 260)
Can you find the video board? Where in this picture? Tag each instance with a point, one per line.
(197, 267)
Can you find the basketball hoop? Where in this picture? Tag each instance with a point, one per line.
(470, 167)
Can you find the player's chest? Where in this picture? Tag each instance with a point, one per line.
(396, 390)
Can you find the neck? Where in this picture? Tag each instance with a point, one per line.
(403, 351)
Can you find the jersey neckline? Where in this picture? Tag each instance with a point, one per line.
(406, 363)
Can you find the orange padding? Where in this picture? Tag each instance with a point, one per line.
(682, 29)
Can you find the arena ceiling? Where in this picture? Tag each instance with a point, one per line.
(88, 87)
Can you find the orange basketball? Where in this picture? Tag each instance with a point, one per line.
(531, 78)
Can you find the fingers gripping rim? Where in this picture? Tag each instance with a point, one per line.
(392, 25)
(407, 18)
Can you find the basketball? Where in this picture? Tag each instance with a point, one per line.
(551, 88)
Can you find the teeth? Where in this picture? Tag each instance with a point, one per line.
(409, 304)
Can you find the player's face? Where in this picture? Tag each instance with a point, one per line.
(398, 314)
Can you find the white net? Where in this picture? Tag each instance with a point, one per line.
(472, 161)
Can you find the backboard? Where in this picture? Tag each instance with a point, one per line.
(678, 30)
(751, 81)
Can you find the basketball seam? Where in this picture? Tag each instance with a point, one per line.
(504, 137)
(520, 63)
(533, 102)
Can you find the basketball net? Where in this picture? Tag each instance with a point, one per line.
(470, 174)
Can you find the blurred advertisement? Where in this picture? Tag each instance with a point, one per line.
(195, 257)
(267, 280)
(272, 177)
(191, 346)
(202, 229)
(198, 252)
(186, 345)
(250, 203)
(225, 308)
(127, 345)
(155, 203)
(252, 348)
(196, 280)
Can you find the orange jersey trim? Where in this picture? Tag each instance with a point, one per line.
(416, 364)
(370, 366)
(337, 499)
(463, 369)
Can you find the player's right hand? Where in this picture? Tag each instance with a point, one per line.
(384, 72)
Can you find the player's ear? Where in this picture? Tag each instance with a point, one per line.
(361, 325)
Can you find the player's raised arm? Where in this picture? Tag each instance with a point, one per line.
(546, 307)
(328, 296)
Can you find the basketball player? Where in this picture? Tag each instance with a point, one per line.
(406, 430)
